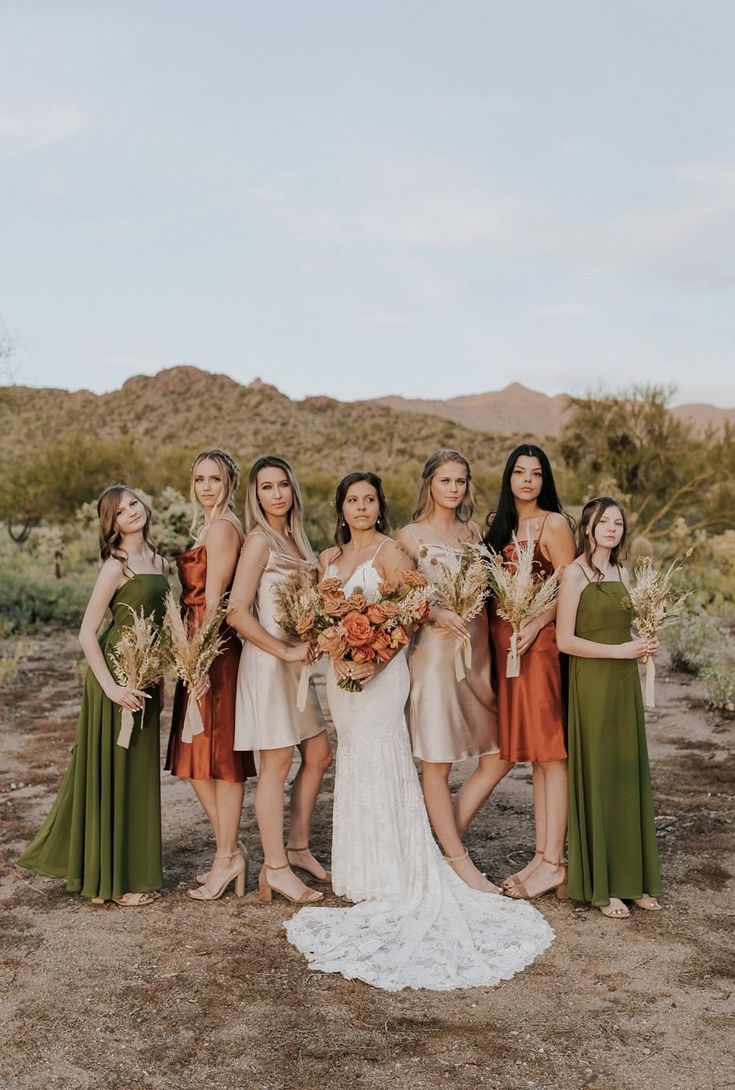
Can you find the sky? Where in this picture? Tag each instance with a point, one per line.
(359, 198)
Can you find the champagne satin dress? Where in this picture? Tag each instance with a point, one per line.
(530, 707)
(266, 715)
(210, 755)
(449, 719)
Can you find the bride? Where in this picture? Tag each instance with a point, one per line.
(417, 925)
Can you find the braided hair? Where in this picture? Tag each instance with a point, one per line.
(230, 480)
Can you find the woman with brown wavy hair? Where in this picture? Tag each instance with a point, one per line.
(103, 833)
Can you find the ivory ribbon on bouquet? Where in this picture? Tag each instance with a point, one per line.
(192, 720)
(650, 681)
(126, 728)
(303, 690)
(462, 651)
(513, 662)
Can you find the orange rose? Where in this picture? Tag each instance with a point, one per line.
(399, 636)
(375, 614)
(382, 645)
(329, 586)
(363, 654)
(330, 642)
(357, 629)
(335, 605)
(358, 601)
(413, 578)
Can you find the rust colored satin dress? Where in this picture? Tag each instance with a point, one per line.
(209, 756)
(530, 707)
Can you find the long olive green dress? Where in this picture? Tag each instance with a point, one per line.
(103, 833)
(612, 835)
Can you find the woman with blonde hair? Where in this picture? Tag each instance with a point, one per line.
(267, 718)
(103, 833)
(208, 760)
(450, 720)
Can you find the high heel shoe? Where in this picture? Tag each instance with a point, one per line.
(237, 872)
(299, 866)
(201, 879)
(266, 890)
(518, 892)
(514, 879)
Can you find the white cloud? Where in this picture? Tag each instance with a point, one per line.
(25, 126)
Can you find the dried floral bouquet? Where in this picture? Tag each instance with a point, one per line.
(522, 594)
(139, 660)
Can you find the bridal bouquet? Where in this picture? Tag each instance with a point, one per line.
(655, 603)
(462, 587)
(139, 661)
(522, 595)
(192, 654)
(356, 630)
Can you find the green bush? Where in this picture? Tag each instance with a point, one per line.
(32, 602)
(719, 677)
(690, 641)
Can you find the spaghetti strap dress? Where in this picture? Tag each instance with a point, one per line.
(209, 755)
(448, 719)
(103, 832)
(612, 831)
(267, 716)
(531, 722)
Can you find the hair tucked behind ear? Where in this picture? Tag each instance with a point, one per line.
(589, 520)
(342, 532)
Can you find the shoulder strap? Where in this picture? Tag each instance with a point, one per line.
(372, 558)
(541, 527)
(413, 535)
(584, 573)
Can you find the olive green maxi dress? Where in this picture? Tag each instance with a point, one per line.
(103, 833)
(612, 835)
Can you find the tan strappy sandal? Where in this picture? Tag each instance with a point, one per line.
(266, 890)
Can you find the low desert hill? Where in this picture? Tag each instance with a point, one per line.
(185, 407)
(516, 410)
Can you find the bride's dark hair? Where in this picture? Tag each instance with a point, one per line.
(342, 532)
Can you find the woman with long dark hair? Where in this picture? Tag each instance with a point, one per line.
(530, 707)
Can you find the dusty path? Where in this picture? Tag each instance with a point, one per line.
(183, 995)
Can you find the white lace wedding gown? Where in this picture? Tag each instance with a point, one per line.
(418, 925)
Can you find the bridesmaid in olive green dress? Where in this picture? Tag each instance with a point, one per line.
(612, 834)
(103, 833)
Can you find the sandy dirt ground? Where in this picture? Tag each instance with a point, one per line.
(190, 995)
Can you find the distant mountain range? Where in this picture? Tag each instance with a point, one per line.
(186, 407)
(516, 410)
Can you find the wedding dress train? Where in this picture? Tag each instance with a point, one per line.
(417, 925)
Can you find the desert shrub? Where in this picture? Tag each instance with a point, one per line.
(719, 677)
(690, 641)
(29, 603)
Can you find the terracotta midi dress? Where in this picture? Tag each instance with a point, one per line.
(530, 707)
(210, 755)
